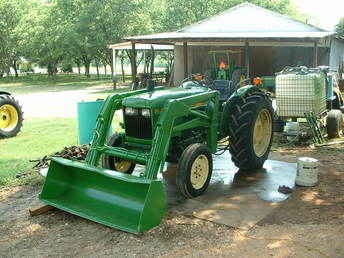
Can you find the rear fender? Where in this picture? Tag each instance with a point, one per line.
(4, 93)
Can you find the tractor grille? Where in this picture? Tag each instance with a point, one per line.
(138, 126)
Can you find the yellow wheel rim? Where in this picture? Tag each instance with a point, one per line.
(122, 166)
(199, 172)
(8, 117)
(262, 132)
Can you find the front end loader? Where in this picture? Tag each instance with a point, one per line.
(181, 125)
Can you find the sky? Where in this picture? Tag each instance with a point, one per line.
(324, 13)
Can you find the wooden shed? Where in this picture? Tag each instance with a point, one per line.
(265, 42)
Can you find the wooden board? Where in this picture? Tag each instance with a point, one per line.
(38, 210)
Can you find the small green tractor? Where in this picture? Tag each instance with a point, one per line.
(11, 115)
(183, 125)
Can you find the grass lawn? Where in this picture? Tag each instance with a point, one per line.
(42, 136)
(39, 137)
(43, 83)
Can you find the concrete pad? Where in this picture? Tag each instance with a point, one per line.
(234, 198)
(241, 211)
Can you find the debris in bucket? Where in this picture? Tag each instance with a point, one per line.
(72, 152)
(285, 189)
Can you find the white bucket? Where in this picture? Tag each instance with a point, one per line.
(307, 171)
(292, 130)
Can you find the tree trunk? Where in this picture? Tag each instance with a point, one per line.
(15, 68)
(152, 64)
(112, 71)
(122, 69)
(105, 72)
(77, 62)
(132, 56)
(87, 68)
(145, 62)
(97, 67)
(50, 69)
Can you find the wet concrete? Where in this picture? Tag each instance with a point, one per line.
(227, 180)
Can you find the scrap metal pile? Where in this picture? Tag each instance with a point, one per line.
(72, 153)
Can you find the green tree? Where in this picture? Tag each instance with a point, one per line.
(179, 13)
(340, 28)
(44, 37)
(9, 21)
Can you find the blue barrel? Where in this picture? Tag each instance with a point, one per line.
(87, 117)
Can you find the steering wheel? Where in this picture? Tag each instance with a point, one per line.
(199, 79)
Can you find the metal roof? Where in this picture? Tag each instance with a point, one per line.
(127, 45)
(244, 21)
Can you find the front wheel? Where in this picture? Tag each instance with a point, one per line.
(11, 116)
(334, 123)
(194, 170)
(250, 131)
(115, 163)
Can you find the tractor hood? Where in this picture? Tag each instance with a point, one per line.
(158, 98)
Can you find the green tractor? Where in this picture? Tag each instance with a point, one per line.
(11, 115)
(181, 125)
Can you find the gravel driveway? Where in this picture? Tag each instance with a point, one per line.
(55, 104)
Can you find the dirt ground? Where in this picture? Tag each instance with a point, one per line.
(308, 224)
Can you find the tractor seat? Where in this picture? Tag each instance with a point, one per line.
(223, 87)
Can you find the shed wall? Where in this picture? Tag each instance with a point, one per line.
(337, 53)
(263, 60)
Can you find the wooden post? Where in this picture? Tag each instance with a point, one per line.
(133, 62)
(114, 68)
(114, 62)
(185, 54)
(247, 59)
(315, 55)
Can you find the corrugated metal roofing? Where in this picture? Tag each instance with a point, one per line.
(248, 17)
(244, 21)
(127, 45)
(237, 35)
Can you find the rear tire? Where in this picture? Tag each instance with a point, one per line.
(250, 131)
(115, 163)
(11, 116)
(194, 170)
(334, 123)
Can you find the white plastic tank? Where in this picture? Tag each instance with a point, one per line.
(307, 171)
(300, 92)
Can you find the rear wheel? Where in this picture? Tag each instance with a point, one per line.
(250, 131)
(194, 170)
(11, 116)
(115, 163)
(334, 123)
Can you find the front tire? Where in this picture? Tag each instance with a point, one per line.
(334, 123)
(11, 116)
(194, 170)
(115, 163)
(250, 131)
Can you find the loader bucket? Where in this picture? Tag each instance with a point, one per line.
(122, 201)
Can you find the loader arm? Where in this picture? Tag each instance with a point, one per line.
(111, 104)
(164, 129)
(165, 126)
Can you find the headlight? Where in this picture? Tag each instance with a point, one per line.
(131, 111)
(145, 112)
